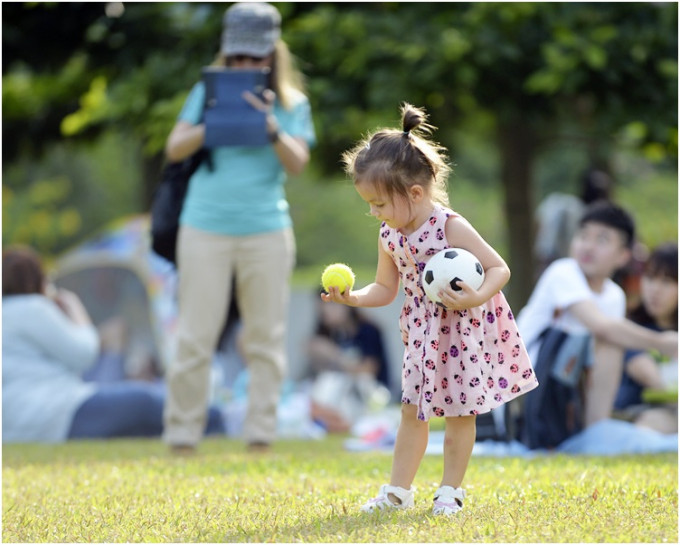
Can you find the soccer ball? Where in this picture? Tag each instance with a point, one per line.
(447, 268)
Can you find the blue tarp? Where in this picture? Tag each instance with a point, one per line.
(605, 438)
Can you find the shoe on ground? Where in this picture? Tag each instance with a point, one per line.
(448, 500)
(382, 500)
(258, 447)
(183, 450)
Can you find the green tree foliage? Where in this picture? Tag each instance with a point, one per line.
(524, 76)
(71, 69)
(74, 190)
(81, 77)
(545, 62)
(543, 70)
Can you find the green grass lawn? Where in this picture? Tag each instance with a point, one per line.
(311, 491)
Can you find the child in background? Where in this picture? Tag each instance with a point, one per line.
(642, 370)
(461, 359)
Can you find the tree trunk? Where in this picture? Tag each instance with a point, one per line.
(517, 141)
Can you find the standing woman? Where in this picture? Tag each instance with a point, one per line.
(236, 222)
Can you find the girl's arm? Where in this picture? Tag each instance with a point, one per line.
(460, 234)
(380, 293)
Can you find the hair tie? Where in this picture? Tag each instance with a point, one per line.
(406, 133)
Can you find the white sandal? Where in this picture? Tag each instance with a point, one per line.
(448, 500)
(382, 500)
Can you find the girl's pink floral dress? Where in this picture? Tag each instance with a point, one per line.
(456, 363)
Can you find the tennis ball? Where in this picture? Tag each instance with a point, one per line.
(339, 275)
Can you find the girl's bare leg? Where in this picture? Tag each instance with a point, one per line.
(409, 448)
(459, 438)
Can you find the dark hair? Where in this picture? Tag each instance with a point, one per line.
(596, 185)
(611, 215)
(22, 271)
(662, 262)
(394, 160)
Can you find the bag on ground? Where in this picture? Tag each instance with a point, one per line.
(553, 412)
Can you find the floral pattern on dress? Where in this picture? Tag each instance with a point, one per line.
(456, 363)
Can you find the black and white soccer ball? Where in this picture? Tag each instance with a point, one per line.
(447, 268)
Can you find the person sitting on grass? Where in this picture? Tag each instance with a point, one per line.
(345, 340)
(649, 370)
(48, 341)
(577, 296)
(347, 344)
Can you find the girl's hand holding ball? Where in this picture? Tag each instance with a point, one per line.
(338, 275)
(338, 280)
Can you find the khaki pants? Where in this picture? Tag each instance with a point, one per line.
(207, 262)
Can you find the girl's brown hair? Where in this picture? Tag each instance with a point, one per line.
(284, 79)
(22, 271)
(394, 160)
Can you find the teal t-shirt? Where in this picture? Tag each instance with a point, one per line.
(244, 193)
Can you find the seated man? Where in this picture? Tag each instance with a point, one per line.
(576, 299)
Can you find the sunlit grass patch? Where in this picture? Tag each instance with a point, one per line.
(311, 491)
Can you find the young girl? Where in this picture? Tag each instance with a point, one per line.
(459, 361)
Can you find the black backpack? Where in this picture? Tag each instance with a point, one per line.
(168, 200)
(553, 411)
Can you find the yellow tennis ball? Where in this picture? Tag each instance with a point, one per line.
(338, 274)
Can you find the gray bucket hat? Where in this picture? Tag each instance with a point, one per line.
(250, 28)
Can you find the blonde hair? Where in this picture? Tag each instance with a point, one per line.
(394, 160)
(285, 78)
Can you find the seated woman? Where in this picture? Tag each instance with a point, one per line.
(48, 343)
(646, 371)
(344, 342)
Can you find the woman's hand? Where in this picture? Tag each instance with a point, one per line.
(292, 152)
(72, 306)
(266, 105)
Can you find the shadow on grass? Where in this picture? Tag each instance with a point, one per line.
(111, 450)
(351, 527)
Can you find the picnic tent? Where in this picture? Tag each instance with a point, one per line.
(116, 274)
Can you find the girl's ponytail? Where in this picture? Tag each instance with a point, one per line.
(413, 119)
(394, 160)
